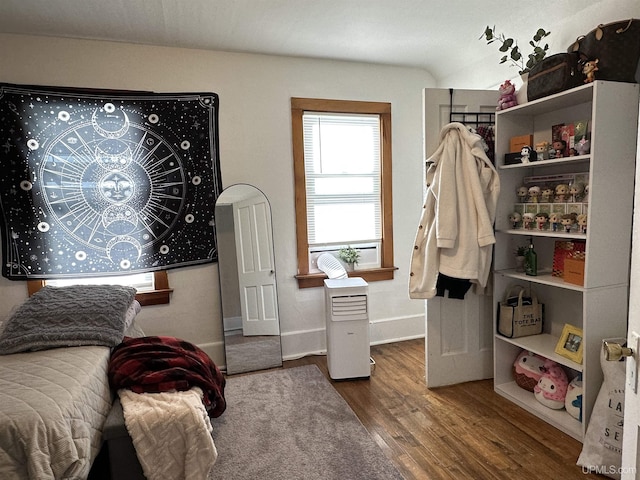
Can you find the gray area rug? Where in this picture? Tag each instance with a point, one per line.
(292, 424)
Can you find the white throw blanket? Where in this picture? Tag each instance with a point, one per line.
(171, 433)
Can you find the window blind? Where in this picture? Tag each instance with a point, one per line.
(342, 170)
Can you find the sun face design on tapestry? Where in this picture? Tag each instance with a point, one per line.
(96, 184)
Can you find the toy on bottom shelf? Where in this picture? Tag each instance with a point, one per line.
(527, 369)
(573, 400)
(551, 389)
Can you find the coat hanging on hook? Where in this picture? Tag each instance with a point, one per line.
(455, 235)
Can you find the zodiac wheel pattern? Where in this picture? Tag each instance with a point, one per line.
(120, 184)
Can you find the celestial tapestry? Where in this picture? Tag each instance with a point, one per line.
(97, 182)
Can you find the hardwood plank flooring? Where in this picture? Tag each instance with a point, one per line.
(464, 431)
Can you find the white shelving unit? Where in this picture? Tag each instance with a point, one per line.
(599, 307)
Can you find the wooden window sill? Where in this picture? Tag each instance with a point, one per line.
(161, 295)
(310, 280)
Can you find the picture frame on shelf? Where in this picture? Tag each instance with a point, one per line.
(570, 343)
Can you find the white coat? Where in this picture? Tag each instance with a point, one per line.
(455, 236)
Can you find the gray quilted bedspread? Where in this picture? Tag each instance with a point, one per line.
(53, 404)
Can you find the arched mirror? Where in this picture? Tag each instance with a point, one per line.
(247, 280)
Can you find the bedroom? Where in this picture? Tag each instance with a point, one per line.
(255, 91)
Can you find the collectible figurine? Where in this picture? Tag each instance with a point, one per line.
(507, 98)
(576, 191)
(541, 220)
(527, 220)
(568, 220)
(542, 150)
(590, 68)
(583, 146)
(534, 194)
(515, 218)
(526, 154)
(585, 197)
(582, 223)
(522, 193)
(562, 192)
(559, 146)
(546, 195)
(554, 220)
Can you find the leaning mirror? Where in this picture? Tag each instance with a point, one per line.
(247, 280)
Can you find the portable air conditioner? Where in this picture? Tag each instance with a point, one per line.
(347, 310)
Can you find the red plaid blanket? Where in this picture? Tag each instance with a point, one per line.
(159, 364)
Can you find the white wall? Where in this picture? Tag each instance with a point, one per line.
(566, 21)
(255, 148)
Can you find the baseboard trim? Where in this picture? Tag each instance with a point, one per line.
(301, 343)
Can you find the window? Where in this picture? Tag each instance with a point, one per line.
(152, 288)
(342, 165)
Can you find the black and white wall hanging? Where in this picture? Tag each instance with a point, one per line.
(95, 182)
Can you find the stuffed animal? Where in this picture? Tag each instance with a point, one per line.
(573, 400)
(527, 369)
(590, 68)
(551, 389)
(507, 98)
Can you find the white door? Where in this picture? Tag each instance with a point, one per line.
(631, 436)
(459, 333)
(256, 270)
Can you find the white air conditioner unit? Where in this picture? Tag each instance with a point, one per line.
(347, 311)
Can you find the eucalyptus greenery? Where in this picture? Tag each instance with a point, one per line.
(349, 255)
(512, 51)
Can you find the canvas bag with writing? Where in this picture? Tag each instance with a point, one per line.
(519, 316)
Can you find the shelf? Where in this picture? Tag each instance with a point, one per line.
(557, 101)
(543, 278)
(544, 233)
(543, 344)
(559, 418)
(542, 163)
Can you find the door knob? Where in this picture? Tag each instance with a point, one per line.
(614, 351)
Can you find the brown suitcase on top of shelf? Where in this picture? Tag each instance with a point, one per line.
(616, 46)
(554, 74)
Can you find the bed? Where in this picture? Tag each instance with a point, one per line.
(54, 390)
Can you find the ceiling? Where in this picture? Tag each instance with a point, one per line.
(440, 36)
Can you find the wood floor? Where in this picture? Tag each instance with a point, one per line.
(464, 431)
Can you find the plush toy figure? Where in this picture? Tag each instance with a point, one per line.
(507, 98)
(573, 400)
(551, 389)
(590, 68)
(528, 369)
